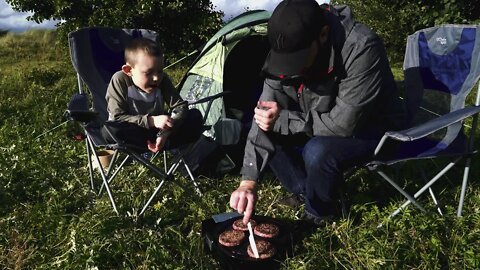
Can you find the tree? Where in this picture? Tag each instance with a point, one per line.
(394, 20)
(3, 32)
(183, 25)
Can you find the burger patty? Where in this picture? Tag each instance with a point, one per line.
(238, 225)
(265, 249)
(267, 230)
(231, 238)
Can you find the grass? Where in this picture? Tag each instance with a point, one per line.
(50, 219)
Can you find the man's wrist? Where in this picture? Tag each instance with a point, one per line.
(249, 184)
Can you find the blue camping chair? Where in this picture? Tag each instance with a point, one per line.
(441, 67)
(96, 54)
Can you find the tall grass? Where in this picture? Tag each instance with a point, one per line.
(50, 218)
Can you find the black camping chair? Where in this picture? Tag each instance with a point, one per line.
(441, 67)
(96, 54)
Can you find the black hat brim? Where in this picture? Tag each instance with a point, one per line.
(287, 64)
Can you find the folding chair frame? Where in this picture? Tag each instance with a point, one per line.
(79, 110)
(420, 132)
(179, 160)
(107, 175)
(442, 67)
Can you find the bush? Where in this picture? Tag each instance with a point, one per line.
(183, 25)
(395, 20)
(3, 32)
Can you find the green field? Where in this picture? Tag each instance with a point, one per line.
(50, 218)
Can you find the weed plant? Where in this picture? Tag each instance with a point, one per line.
(51, 219)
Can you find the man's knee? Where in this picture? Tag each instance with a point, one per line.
(318, 151)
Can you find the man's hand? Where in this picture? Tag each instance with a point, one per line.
(243, 199)
(163, 122)
(266, 113)
(158, 145)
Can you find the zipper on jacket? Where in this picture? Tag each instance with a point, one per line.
(300, 96)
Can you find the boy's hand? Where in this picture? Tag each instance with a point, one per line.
(158, 145)
(163, 122)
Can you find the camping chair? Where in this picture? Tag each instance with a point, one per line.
(441, 67)
(96, 54)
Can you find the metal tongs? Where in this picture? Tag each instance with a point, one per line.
(251, 239)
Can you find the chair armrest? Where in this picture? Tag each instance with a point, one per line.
(209, 98)
(429, 127)
(78, 110)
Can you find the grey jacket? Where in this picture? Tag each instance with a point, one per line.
(355, 97)
(128, 103)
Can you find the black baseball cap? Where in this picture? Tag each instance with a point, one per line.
(292, 28)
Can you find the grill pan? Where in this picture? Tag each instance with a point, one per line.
(236, 258)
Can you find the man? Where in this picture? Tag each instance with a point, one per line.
(328, 97)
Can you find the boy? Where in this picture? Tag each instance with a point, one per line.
(139, 97)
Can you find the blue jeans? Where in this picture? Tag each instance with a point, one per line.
(313, 167)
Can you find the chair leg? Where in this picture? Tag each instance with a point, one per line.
(174, 168)
(435, 201)
(196, 186)
(464, 186)
(151, 198)
(107, 186)
(416, 195)
(165, 161)
(111, 177)
(434, 179)
(164, 177)
(430, 190)
(89, 160)
(410, 199)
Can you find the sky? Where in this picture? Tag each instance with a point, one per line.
(17, 21)
(235, 7)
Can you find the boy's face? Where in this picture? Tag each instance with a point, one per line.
(147, 72)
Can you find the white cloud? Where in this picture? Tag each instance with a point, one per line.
(17, 21)
(232, 8)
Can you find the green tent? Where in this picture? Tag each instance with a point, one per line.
(230, 61)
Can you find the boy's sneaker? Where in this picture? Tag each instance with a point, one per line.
(147, 155)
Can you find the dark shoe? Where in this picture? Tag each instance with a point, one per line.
(293, 201)
(318, 220)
